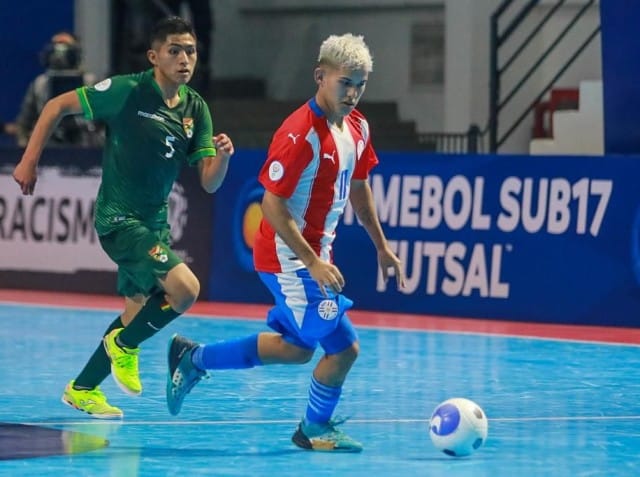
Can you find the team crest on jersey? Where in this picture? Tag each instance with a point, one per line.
(187, 124)
(328, 310)
(159, 254)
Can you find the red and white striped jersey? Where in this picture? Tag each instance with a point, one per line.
(311, 163)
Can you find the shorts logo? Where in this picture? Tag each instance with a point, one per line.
(159, 254)
(328, 310)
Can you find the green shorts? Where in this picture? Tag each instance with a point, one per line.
(142, 255)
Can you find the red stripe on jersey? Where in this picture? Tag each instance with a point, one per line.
(304, 165)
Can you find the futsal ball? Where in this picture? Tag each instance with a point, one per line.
(458, 427)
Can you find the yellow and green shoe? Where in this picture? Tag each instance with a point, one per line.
(124, 364)
(92, 401)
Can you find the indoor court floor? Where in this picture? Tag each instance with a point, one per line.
(561, 400)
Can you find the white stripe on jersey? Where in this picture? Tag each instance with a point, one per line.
(364, 130)
(298, 203)
(346, 152)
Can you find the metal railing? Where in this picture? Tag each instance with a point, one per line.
(499, 39)
(471, 142)
(489, 139)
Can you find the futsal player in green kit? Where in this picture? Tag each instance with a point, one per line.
(156, 124)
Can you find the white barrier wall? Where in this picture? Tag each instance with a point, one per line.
(277, 40)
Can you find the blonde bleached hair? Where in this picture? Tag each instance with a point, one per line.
(347, 51)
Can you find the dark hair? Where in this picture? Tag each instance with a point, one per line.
(170, 26)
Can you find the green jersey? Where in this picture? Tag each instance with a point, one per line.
(146, 146)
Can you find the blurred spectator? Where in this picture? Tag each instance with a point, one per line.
(61, 58)
(8, 128)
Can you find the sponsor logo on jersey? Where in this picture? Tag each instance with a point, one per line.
(329, 156)
(328, 310)
(103, 85)
(153, 116)
(159, 254)
(187, 124)
(293, 137)
(276, 171)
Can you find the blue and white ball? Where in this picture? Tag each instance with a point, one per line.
(458, 427)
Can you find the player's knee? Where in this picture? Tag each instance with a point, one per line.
(185, 295)
(349, 355)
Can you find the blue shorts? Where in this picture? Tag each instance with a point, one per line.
(304, 316)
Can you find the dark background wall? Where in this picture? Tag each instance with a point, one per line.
(25, 27)
(621, 75)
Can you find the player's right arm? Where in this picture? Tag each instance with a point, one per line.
(26, 172)
(277, 214)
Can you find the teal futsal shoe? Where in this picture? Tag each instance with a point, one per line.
(324, 437)
(183, 375)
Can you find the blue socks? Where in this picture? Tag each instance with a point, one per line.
(233, 354)
(242, 353)
(322, 402)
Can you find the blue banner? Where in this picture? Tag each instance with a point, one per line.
(619, 36)
(551, 239)
(235, 219)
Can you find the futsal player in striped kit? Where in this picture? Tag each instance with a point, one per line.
(319, 158)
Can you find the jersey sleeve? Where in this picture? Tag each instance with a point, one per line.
(367, 158)
(202, 141)
(105, 99)
(288, 155)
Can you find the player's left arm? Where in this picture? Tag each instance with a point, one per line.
(361, 200)
(213, 169)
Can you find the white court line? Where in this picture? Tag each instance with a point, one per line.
(369, 327)
(252, 422)
(498, 335)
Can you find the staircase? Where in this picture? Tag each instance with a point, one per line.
(251, 122)
(511, 36)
